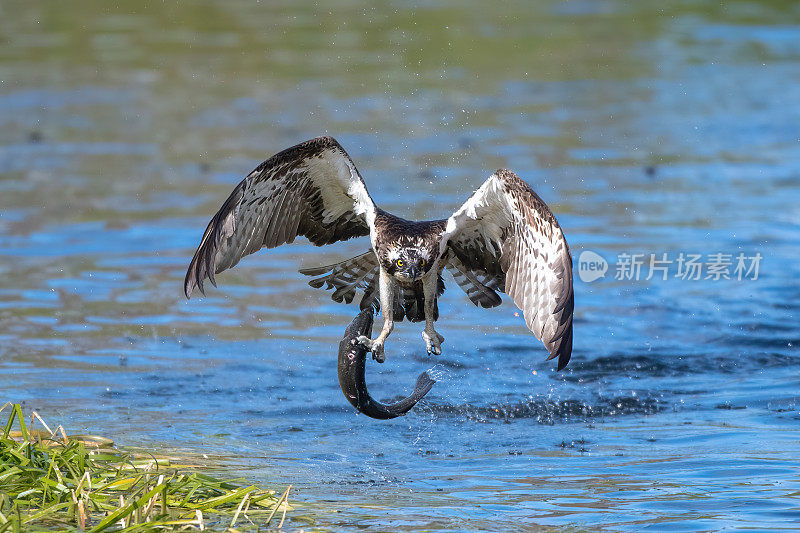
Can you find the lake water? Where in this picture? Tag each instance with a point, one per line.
(649, 128)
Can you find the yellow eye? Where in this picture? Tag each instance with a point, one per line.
(423, 262)
(400, 263)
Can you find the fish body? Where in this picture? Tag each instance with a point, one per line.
(351, 367)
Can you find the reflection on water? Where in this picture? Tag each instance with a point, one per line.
(648, 128)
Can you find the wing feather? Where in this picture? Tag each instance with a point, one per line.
(312, 189)
(472, 283)
(345, 277)
(508, 237)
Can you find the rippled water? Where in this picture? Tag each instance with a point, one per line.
(649, 129)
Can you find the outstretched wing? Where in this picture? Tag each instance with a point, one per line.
(311, 189)
(509, 239)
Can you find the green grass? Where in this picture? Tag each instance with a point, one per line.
(51, 481)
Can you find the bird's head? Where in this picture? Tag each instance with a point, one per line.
(408, 264)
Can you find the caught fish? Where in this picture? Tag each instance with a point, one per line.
(352, 359)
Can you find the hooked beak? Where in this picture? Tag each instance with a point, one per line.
(413, 272)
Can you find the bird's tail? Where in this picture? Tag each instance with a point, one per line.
(413, 298)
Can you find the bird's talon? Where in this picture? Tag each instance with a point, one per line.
(433, 342)
(377, 351)
(364, 341)
(374, 346)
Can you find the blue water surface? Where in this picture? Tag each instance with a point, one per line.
(654, 132)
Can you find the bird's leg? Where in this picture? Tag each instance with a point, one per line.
(433, 341)
(386, 289)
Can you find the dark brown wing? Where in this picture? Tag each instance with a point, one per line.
(312, 189)
(508, 237)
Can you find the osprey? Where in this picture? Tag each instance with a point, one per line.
(503, 239)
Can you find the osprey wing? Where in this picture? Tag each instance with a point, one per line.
(508, 238)
(312, 189)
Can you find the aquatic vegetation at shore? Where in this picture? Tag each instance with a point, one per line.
(49, 480)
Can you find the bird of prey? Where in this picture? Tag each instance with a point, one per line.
(503, 239)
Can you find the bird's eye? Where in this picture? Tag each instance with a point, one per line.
(400, 263)
(423, 262)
